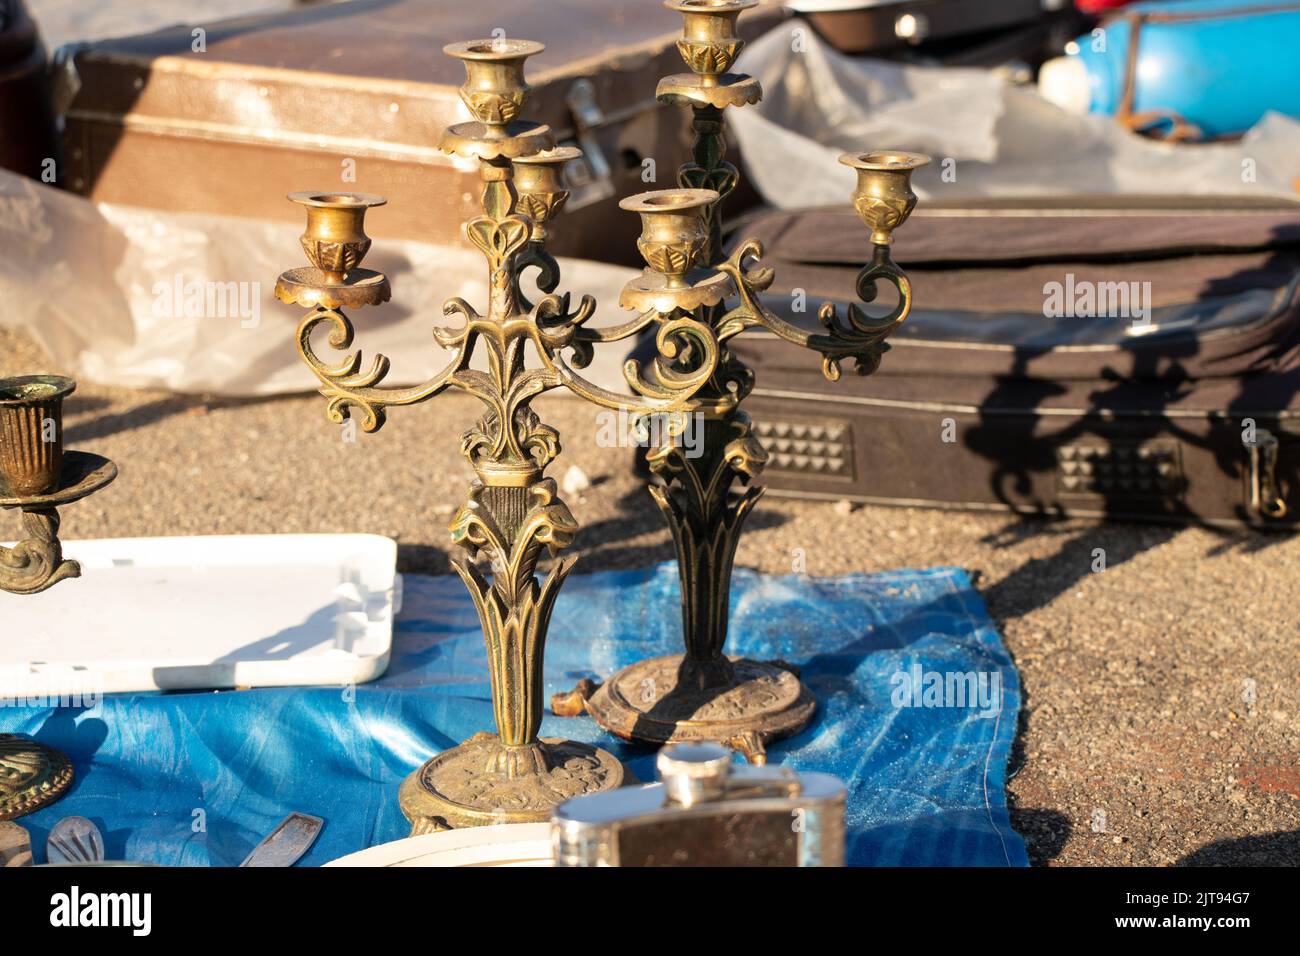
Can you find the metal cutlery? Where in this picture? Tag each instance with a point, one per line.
(287, 842)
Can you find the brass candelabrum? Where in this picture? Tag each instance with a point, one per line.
(37, 477)
(514, 513)
(704, 694)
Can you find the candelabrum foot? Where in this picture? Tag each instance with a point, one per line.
(484, 782)
(650, 703)
(32, 775)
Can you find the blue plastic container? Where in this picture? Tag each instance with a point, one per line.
(1219, 73)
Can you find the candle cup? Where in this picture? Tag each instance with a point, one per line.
(495, 91)
(883, 197)
(539, 182)
(673, 231)
(335, 241)
(31, 433)
(709, 42)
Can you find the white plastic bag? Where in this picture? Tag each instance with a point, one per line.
(184, 302)
(988, 138)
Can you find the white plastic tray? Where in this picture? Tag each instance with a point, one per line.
(205, 612)
(508, 844)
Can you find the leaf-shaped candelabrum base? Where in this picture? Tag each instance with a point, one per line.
(512, 776)
(706, 514)
(703, 694)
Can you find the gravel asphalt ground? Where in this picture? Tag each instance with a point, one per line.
(1162, 717)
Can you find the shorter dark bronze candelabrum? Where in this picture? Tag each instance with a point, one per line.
(37, 477)
(705, 694)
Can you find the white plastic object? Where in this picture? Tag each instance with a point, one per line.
(205, 612)
(1063, 80)
(508, 844)
(988, 137)
(137, 324)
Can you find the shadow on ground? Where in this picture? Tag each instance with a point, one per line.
(1265, 849)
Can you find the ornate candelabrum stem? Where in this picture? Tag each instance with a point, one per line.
(514, 513)
(703, 694)
(37, 477)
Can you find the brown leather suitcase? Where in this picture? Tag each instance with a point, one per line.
(993, 397)
(278, 103)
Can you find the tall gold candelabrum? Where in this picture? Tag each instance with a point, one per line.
(514, 513)
(37, 477)
(704, 694)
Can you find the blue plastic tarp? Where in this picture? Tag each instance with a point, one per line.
(917, 707)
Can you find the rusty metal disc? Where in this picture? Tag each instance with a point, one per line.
(642, 703)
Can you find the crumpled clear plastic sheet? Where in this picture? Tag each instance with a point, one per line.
(989, 138)
(185, 302)
(926, 773)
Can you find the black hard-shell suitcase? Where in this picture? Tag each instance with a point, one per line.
(985, 401)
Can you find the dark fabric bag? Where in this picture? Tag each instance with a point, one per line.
(27, 132)
(1188, 411)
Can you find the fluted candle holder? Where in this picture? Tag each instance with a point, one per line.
(37, 477)
(703, 694)
(514, 513)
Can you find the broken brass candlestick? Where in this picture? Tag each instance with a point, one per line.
(37, 478)
(514, 512)
(704, 694)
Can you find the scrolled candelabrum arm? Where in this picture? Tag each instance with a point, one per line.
(36, 563)
(666, 388)
(347, 386)
(859, 336)
(535, 256)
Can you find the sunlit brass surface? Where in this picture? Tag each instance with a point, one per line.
(704, 694)
(32, 776)
(37, 477)
(884, 197)
(514, 513)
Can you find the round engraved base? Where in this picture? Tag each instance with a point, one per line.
(458, 788)
(643, 703)
(32, 775)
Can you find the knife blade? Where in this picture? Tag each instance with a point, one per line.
(287, 842)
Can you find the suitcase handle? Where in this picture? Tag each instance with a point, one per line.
(1265, 498)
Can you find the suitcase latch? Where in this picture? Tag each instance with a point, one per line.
(1265, 497)
(589, 178)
